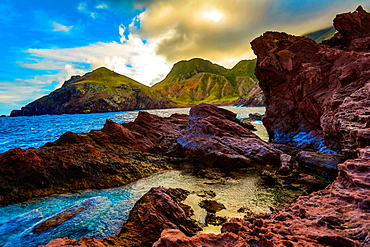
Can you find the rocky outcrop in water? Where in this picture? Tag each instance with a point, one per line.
(317, 95)
(121, 153)
(157, 210)
(255, 98)
(336, 216)
(109, 157)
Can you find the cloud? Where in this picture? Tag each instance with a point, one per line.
(81, 6)
(221, 30)
(102, 6)
(134, 58)
(61, 28)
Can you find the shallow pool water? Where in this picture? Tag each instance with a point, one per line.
(108, 209)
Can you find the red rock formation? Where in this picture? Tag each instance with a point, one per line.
(336, 216)
(157, 210)
(215, 138)
(99, 159)
(316, 91)
(256, 98)
(121, 153)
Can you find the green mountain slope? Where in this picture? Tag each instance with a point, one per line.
(322, 34)
(200, 81)
(101, 90)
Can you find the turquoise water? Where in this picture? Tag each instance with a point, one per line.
(101, 213)
(106, 210)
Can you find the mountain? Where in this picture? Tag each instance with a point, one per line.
(200, 81)
(101, 90)
(322, 34)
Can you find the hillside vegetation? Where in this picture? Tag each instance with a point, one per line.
(201, 81)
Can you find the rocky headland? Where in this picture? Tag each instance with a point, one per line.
(188, 83)
(101, 90)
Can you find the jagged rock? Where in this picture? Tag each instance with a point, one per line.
(336, 216)
(320, 163)
(112, 156)
(157, 210)
(216, 139)
(122, 153)
(317, 94)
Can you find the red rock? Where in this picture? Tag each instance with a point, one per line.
(316, 91)
(162, 132)
(336, 216)
(215, 138)
(98, 159)
(156, 211)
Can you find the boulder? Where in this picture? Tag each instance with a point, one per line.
(215, 138)
(320, 163)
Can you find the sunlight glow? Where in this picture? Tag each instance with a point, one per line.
(213, 15)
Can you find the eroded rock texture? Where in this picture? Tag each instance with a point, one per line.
(317, 95)
(157, 210)
(336, 216)
(122, 153)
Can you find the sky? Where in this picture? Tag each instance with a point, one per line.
(43, 43)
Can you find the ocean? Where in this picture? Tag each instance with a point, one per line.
(107, 210)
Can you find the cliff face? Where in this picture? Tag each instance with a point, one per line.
(318, 94)
(99, 91)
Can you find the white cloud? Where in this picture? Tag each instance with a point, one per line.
(61, 28)
(133, 58)
(102, 6)
(81, 6)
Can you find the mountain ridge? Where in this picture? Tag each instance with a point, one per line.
(101, 90)
(189, 82)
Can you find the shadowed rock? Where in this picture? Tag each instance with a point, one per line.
(317, 95)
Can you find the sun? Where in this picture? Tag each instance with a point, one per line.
(213, 15)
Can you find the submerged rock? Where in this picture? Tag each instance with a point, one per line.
(157, 210)
(317, 96)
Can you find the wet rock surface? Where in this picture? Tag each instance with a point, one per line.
(122, 153)
(317, 95)
(157, 210)
(336, 216)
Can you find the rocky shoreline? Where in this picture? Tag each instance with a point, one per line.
(317, 99)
